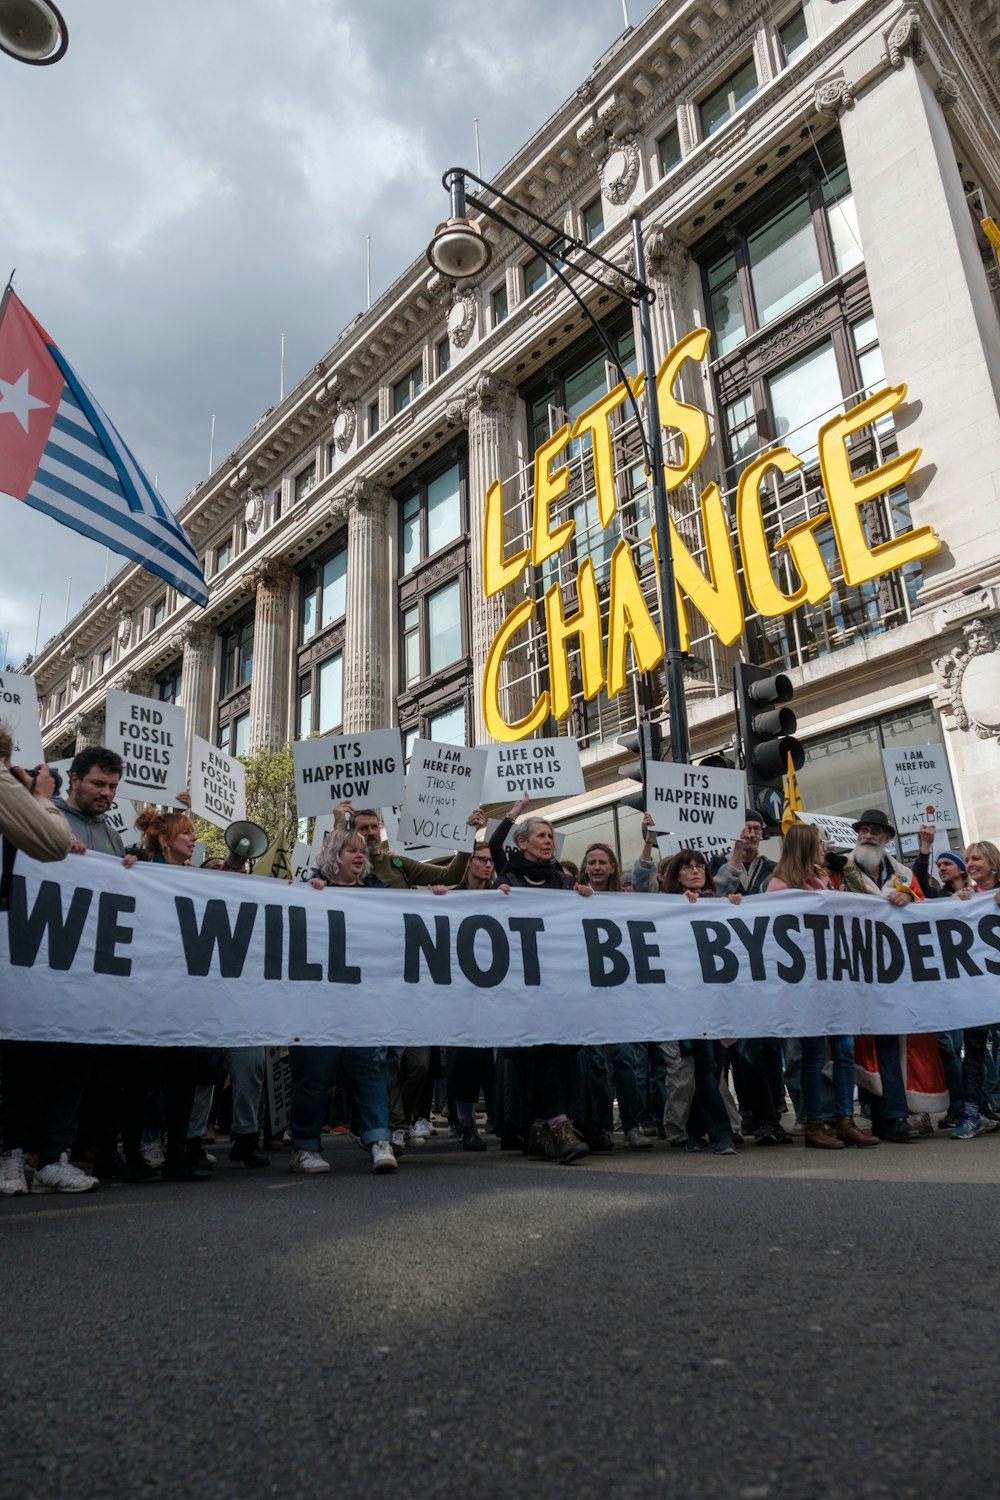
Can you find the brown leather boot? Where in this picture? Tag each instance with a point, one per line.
(851, 1135)
(820, 1133)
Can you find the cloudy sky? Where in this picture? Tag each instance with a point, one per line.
(192, 180)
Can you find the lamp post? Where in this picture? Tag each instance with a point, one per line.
(459, 249)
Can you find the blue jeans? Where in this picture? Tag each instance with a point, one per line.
(813, 1062)
(892, 1105)
(628, 1066)
(313, 1072)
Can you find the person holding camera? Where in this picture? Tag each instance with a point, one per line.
(43, 1082)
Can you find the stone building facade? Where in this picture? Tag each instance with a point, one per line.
(811, 177)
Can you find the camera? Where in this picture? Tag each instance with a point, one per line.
(32, 776)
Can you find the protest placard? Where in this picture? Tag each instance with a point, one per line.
(919, 787)
(533, 768)
(705, 843)
(444, 785)
(218, 784)
(691, 800)
(302, 864)
(19, 711)
(366, 769)
(149, 737)
(836, 831)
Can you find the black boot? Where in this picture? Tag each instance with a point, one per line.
(183, 1166)
(245, 1149)
(471, 1139)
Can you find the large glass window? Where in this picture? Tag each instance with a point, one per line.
(793, 38)
(447, 727)
(784, 260)
(498, 304)
(330, 683)
(593, 220)
(431, 517)
(536, 273)
(223, 554)
(725, 299)
(802, 395)
(669, 150)
(720, 106)
(323, 595)
(444, 625)
(407, 389)
(304, 482)
(168, 684)
(237, 655)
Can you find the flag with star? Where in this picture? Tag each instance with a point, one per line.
(62, 455)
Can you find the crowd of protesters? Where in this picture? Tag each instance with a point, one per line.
(74, 1115)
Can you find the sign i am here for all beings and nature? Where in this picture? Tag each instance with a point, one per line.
(715, 593)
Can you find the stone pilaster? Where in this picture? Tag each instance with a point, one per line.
(488, 408)
(271, 581)
(197, 646)
(89, 731)
(365, 505)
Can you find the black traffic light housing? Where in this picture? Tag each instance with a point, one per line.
(647, 742)
(766, 728)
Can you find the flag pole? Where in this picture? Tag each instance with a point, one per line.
(69, 585)
(38, 623)
(281, 376)
(368, 254)
(211, 447)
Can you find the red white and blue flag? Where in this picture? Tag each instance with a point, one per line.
(60, 454)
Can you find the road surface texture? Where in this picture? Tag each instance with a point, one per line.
(784, 1325)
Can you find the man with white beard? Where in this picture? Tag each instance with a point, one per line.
(872, 871)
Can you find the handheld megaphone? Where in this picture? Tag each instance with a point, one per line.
(32, 31)
(245, 841)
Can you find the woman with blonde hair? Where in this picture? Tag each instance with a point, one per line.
(802, 868)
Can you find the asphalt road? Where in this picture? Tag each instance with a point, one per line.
(783, 1325)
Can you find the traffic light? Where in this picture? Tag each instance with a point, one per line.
(766, 728)
(647, 741)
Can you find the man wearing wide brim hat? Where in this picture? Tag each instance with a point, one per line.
(903, 1074)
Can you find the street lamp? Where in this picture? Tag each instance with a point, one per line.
(459, 249)
(32, 31)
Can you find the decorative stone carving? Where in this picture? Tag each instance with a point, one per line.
(76, 672)
(89, 729)
(905, 40)
(620, 171)
(125, 623)
(947, 91)
(970, 680)
(266, 572)
(253, 511)
(489, 394)
(367, 494)
(462, 318)
(140, 683)
(833, 97)
(345, 425)
(665, 255)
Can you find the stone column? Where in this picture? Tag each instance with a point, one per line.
(936, 322)
(197, 699)
(271, 581)
(365, 505)
(488, 408)
(89, 731)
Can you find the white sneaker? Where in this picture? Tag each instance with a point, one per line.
(309, 1161)
(12, 1178)
(383, 1159)
(422, 1130)
(62, 1177)
(398, 1142)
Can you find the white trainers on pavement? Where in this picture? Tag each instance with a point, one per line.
(62, 1177)
(422, 1130)
(309, 1161)
(383, 1158)
(398, 1142)
(12, 1178)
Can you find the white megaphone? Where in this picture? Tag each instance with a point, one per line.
(32, 31)
(245, 841)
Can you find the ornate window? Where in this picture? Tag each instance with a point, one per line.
(167, 686)
(723, 102)
(593, 219)
(669, 150)
(433, 591)
(498, 304)
(408, 389)
(322, 606)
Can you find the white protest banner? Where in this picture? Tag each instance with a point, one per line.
(689, 800)
(919, 787)
(444, 785)
(218, 784)
(19, 711)
(533, 768)
(149, 737)
(837, 831)
(169, 956)
(366, 769)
